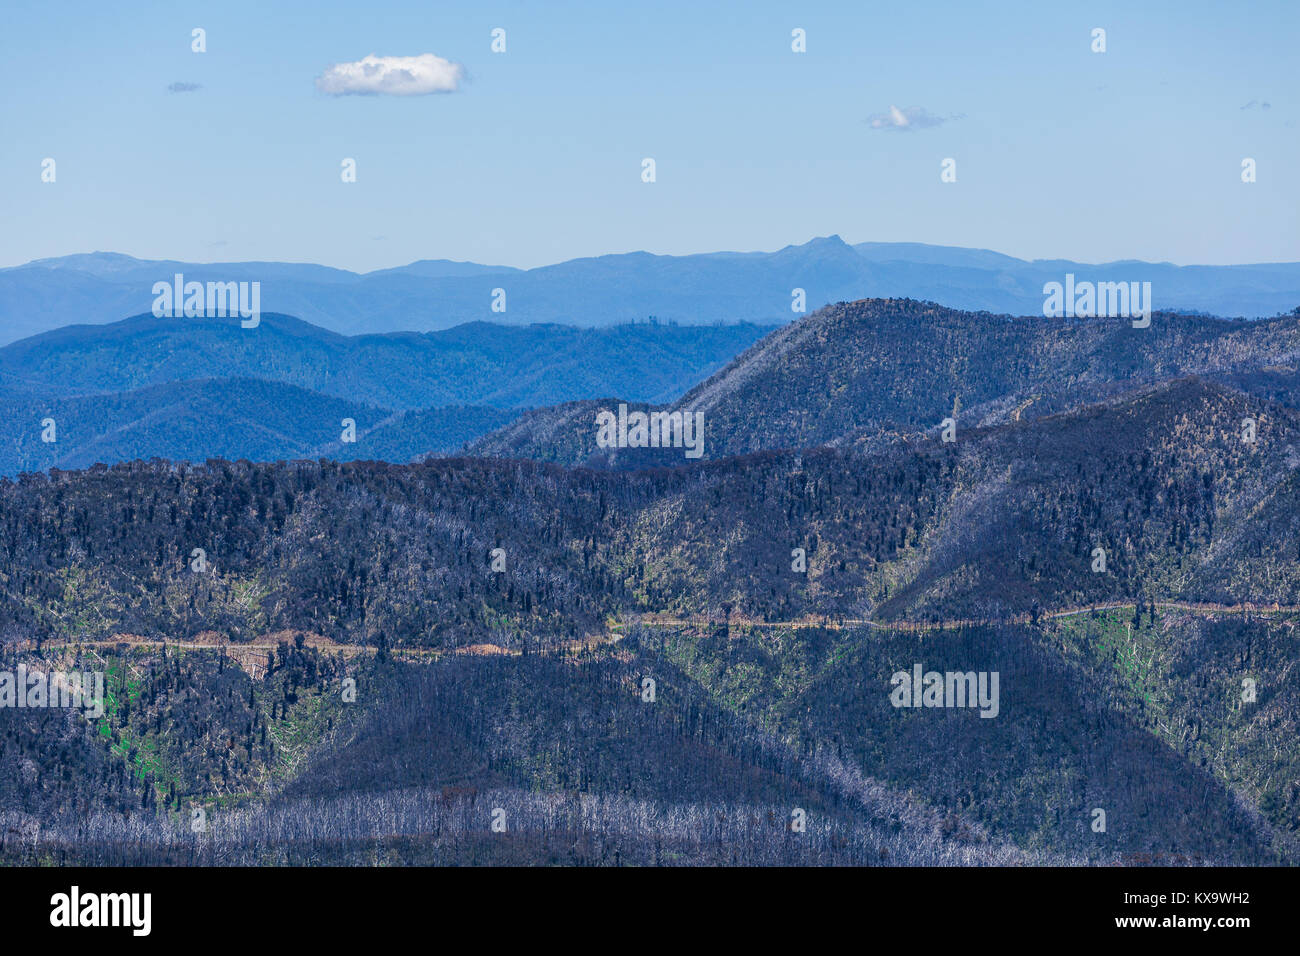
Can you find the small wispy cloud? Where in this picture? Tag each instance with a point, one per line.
(912, 117)
(392, 76)
(1253, 103)
(184, 87)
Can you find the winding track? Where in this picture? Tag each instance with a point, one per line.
(657, 620)
(904, 625)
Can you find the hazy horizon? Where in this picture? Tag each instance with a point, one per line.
(629, 252)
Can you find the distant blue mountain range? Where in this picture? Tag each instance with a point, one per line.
(189, 389)
(431, 295)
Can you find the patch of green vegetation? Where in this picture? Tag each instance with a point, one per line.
(303, 726)
(122, 687)
(85, 605)
(1213, 687)
(1111, 639)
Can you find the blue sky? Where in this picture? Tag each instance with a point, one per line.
(536, 158)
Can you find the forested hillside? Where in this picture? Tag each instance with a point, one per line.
(995, 524)
(473, 660)
(884, 367)
(673, 745)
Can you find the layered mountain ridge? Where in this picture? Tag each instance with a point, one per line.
(862, 371)
(614, 289)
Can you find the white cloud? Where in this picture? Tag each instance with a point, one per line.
(913, 117)
(392, 75)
